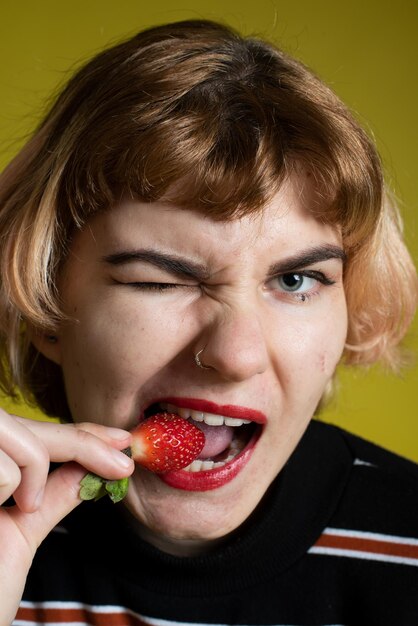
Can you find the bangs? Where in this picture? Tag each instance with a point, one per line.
(220, 135)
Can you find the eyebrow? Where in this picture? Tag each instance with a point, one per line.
(173, 264)
(306, 258)
(192, 270)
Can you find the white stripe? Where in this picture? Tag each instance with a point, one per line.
(368, 535)
(359, 554)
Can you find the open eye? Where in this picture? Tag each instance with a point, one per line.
(301, 285)
(296, 282)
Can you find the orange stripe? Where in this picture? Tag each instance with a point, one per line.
(375, 546)
(46, 615)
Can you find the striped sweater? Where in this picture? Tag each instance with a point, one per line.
(334, 542)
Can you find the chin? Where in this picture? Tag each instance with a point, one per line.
(184, 515)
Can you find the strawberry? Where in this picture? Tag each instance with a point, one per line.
(166, 442)
(161, 443)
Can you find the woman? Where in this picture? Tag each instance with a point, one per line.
(199, 226)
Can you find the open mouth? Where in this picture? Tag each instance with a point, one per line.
(225, 437)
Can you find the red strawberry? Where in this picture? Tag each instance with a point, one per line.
(160, 443)
(165, 442)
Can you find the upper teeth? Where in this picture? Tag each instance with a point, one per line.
(211, 419)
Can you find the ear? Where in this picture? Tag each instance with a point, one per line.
(47, 343)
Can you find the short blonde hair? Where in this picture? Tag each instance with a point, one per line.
(230, 118)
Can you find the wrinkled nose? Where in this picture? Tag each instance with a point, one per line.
(235, 346)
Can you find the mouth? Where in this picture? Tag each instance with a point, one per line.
(230, 438)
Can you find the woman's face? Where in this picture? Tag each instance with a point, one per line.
(150, 285)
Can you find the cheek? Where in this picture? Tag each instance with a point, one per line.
(111, 353)
(119, 336)
(311, 349)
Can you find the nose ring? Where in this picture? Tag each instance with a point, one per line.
(199, 362)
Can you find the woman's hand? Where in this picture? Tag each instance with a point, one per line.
(26, 449)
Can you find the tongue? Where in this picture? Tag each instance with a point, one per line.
(217, 439)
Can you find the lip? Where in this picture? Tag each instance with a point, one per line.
(207, 480)
(214, 478)
(207, 406)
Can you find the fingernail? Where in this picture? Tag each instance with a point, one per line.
(121, 459)
(117, 433)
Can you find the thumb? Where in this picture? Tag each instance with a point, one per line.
(61, 496)
(23, 532)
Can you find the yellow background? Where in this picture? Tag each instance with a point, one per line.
(366, 50)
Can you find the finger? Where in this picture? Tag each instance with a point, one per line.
(95, 447)
(61, 496)
(24, 462)
(115, 437)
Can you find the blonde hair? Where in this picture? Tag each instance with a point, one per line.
(230, 118)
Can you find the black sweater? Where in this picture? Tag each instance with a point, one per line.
(334, 542)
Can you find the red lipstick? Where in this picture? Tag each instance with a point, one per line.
(207, 480)
(228, 410)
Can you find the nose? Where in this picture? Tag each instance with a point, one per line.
(235, 345)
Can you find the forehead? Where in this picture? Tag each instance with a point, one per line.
(284, 226)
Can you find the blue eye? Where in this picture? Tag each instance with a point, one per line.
(299, 286)
(295, 282)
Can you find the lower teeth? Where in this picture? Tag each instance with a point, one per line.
(207, 464)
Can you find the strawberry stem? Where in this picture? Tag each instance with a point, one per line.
(94, 487)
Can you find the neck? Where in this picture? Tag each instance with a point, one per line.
(178, 547)
(171, 545)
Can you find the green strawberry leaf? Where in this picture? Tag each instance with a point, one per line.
(90, 487)
(117, 489)
(93, 487)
